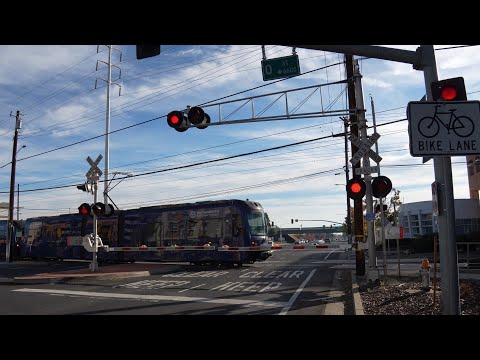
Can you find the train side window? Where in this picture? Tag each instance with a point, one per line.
(236, 225)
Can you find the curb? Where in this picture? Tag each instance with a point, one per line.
(5, 281)
(54, 278)
(357, 300)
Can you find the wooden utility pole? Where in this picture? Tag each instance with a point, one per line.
(357, 204)
(11, 231)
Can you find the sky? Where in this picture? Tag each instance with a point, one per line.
(61, 94)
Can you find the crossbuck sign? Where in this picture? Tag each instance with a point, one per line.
(364, 148)
(94, 173)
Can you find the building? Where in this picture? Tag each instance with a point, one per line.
(417, 220)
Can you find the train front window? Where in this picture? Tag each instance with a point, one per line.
(256, 222)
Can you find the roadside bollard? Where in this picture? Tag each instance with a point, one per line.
(425, 274)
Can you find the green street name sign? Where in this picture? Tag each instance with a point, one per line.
(281, 67)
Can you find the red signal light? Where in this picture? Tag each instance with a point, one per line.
(356, 188)
(448, 93)
(177, 120)
(85, 209)
(449, 90)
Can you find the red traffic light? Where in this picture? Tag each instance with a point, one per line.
(448, 93)
(381, 186)
(177, 120)
(356, 188)
(85, 209)
(449, 90)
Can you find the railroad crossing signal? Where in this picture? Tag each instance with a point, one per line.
(381, 186)
(195, 116)
(364, 148)
(94, 173)
(356, 188)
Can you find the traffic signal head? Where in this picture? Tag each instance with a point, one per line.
(449, 90)
(85, 209)
(88, 187)
(177, 120)
(146, 51)
(100, 209)
(356, 188)
(381, 186)
(198, 117)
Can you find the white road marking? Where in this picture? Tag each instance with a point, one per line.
(330, 253)
(295, 295)
(193, 287)
(158, 297)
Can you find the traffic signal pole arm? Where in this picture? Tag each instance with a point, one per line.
(416, 58)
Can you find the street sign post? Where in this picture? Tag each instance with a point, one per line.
(281, 67)
(444, 128)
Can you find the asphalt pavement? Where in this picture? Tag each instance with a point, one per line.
(37, 272)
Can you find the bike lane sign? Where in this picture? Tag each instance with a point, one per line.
(444, 128)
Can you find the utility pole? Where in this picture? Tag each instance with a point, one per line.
(107, 122)
(372, 274)
(11, 231)
(349, 220)
(357, 204)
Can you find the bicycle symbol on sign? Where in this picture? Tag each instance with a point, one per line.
(462, 126)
